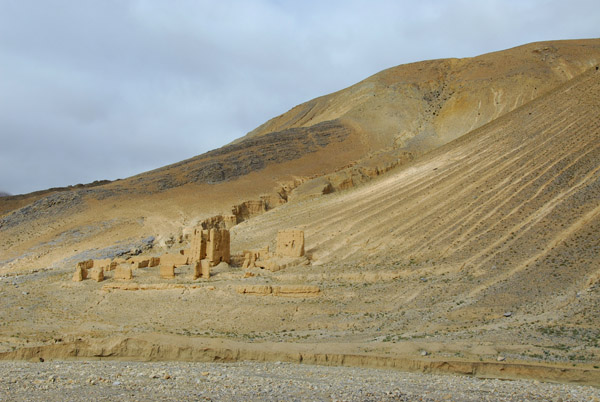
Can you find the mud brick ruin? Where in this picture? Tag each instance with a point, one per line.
(289, 250)
(123, 272)
(290, 243)
(97, 274)
(208, 248)
(212, 245)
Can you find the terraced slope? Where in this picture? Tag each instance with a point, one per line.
(505, 219)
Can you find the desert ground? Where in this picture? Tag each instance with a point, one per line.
(250, 381)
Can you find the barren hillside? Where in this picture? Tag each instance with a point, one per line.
(450, 209)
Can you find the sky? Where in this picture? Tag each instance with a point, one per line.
(106, 89)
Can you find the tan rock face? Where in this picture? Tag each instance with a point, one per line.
(290, 243)
(154, 262)
(123, 272)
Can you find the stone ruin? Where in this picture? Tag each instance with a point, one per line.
(123, 272)
(290, 243)
(208, 249)
(289, 250)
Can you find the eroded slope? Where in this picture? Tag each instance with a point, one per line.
(487, 246)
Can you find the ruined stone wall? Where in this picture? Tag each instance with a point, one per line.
(198, 246)
(217, 248)
(290, 243)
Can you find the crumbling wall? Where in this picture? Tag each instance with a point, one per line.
(202, 269)
(97, 273)
(173, 259)
(198, 246)
(290, 243)
(123, 272)
(217, 247)
(167, 271)
(80, 274)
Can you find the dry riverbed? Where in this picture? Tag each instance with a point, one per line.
(252, 381)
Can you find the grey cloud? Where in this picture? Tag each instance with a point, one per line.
(93, 89)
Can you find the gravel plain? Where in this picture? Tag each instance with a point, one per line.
(252, 381)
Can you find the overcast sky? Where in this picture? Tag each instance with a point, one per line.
(106, 89)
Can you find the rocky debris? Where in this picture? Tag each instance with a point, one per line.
(113, 252)
(271, 381)
(254, 153)
(49, 207)
(248, 155)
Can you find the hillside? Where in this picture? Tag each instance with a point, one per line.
(464, 238)
(344, 138)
